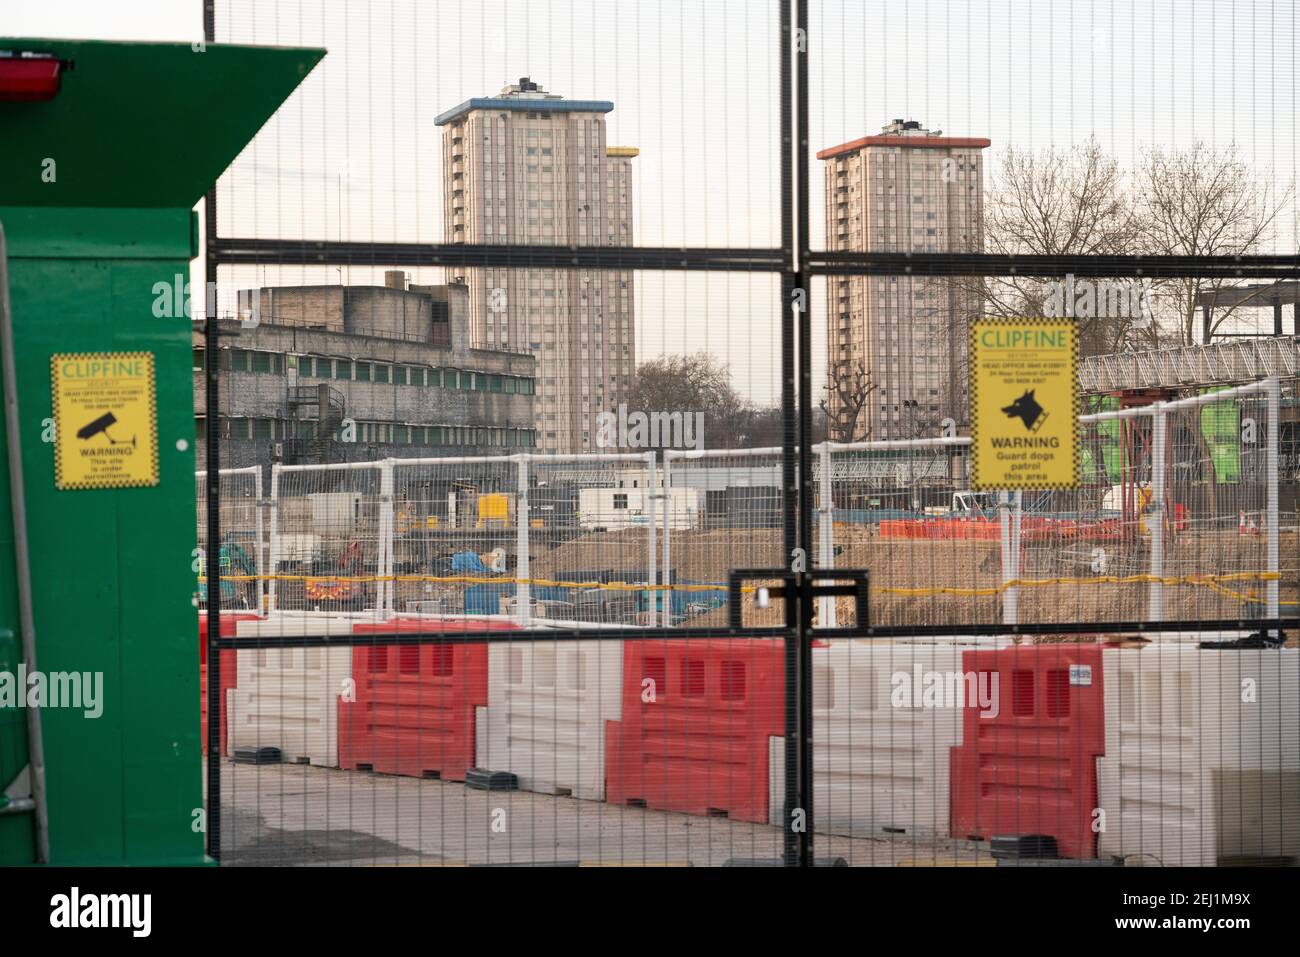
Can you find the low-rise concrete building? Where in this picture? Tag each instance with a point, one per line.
(356, 373)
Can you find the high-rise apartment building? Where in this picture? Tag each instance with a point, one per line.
(530, 167)
(908, 189)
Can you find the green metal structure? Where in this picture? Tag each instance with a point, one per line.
(97, 189)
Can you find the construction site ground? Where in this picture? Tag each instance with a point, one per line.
(926, 583)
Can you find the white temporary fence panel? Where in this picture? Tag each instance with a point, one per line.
(1212, 458)
(332, 522)
(243, 568)
(517, 509)
(1202, 758)
(287, 698)
(1160, 492)
(880, 749)
(840, 466)
(744, 487)
(548, 702)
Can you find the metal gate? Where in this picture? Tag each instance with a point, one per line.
(661, 631)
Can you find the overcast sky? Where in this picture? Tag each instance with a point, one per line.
(355, 152)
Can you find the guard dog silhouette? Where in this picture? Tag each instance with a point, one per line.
(1027, 410)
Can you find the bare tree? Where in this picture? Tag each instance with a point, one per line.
(918, 422)
(701, 383)
(698, 382)
(1202, 201)
(1058, 202)
(850, 385)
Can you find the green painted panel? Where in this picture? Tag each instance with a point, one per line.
(1107, 444)
(17, 835)
(112, 567)
(1221, 426)
(111, 574)
(80, 233)
(140, 124)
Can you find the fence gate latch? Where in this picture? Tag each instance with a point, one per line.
(822, 583)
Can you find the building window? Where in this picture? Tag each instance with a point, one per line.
(620, 500)
(363, 371)
(343, 369)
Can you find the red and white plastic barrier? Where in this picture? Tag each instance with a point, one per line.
(287, 698)
(547, 705)
(1202, 755)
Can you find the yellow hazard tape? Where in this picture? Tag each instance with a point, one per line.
(1202, 581)
(476, 580)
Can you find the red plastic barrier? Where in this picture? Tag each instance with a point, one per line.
(229, 673)
(1180, 517)
(701, 744)
(413, 712)
(1031, 768)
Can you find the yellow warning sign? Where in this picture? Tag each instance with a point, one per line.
(1024, 404)
(105, 420)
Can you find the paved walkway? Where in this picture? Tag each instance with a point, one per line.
(300, 815)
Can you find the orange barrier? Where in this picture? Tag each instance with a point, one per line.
(941, 529)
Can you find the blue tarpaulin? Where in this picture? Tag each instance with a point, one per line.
(485, 599)
(467, 562)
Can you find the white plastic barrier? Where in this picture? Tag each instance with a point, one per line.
(548, 702)
(880, 751)
(297, 624)
(287, 698)
(1202, 762)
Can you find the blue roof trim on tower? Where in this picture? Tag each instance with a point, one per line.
(524, 106)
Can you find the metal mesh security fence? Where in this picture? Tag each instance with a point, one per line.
(562, 483)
